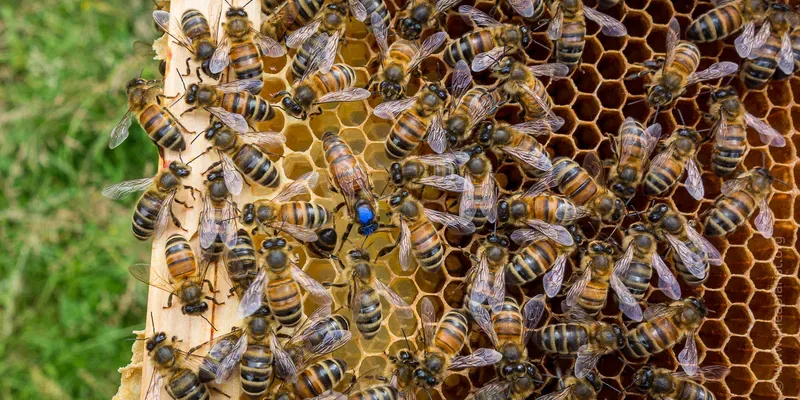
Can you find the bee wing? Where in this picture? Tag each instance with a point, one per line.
(284, 365)
(269, 47)
(154, 389)
(694, 181)
(120, 132)
(322, 59)
(666, 281)
(391, 109)
(716, 70)
(694, 263)
(563, 394)
(332, 341)
(221, 57)
(487, 190)
(253, 297)
(673, 37)
(627, 303)
(765, 220)
(484, 321)
(522, 7)
(555, 121)
(296, 39)
(578, 287)
(299, 232)
(233, 179)
(710, 372)
(587, 359)
(358, 10)
(479, 17)
(457, 158)
(436, 135)
(428, 47)
(466, 207)
(786, 55)
(347, 94)
(227, 227)
(480, 286)
(557, 233)
(162, 219)
(484, 60)
(234, 121)
(610, 26)
(532, 312)
(243, 85)
(330, 395)
(714, 258)
(229, 363)
(499, 389)
(534, 128)
(768, 134)
(656, 311)
(125, 188)
(744, 43)
(498, 290)
(593, 165)
(554, 29)
(320, 294)
(759, 41)
(428, 316)
(546, 182)
(460, 81)
(624, 262)
(143, 272)
(524, 237)
(381, 33)
(480, 108)
(444, 5)
(208, 224)
(652, 134)
(687, 358)
(661, 158)
(450, 183)
(171, 28)
(553, 70)
(401, 308)
(732, 186)
(555, 276)
(404, 253)
(214, 16)
(301, 186)
(534, 158)
(459, 224)
(269, 139)
(478, 358)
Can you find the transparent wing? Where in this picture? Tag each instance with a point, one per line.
(656, 311)
(466, 207)
(460, 81)
(593, 165)
(687, 358)
(673, 35)
(436, 135)
(124, 189)
(120, 132)
(666, 281)
(227, 227)
(555, 70)
(694, 181)
(554, 29)
(269, 139)
(716, 70)
(533, 128)
(161, 18)
(487, 190)
(711, 252)
(459, 224)
(578, 287)
(621, 266)
(522, 7)
(243, 85)
(483, 61)
(233, 179)
(428, 316)
(768, 134)
(347, 94)
(301, 186)
(320, 294)
(478, 358)
(532, 312)
(457, 159)
(480, 108)
(498, 389)
(284, 365)
(760, 39)
(299, 232)
(358, 10)
(142, 273)
(253, 297)
(298, 37)
(652, 134)
(579, 315)
(560, 395)
(269, 47)
(450, 183)
(405, 246)
(391, 109)
(480, 286)
(534, 158)
(208, 224)
(786, 55)
(498, 289)
(555, 121)
(555, 276)
(214, 16)
(484, 321)
(732, 186)
(661, 158)
(744, 43)
(694, 263)
(162, 219)
(221, 57)
(710, 372)
(428, 47)
(557, 233)
(627, 303)
(401, 308)
(444, 5)
(229, 363)
(332, 341)
(610, 26)
(479, 17)
(524, 237)
(765, 220)
(546, 182)
(587, 359)
(234, 121)
(154, 390)
(381, 33)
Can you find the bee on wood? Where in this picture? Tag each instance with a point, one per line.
(196, 34)
(144, 101)
(233, 103)
(174, 365)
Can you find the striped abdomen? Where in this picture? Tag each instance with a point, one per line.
(593, 297)
(685, 60)
(339, 155)
(241, 262)
(319, 378)
(162, 128)
(551, 209)
(246, 60)
(426, 246)
(452, 333)
(532, 107)
(660, 178)
(379, 392)
(255, 370)
(756, 72)
(179, 257)
(300, 62)
(569, 48)
(401, 52)
(207, 371)
(538, 10)
(369, 316)
(305, 10)
(377, 7)
(283, 295)
(331, 323)
(561, 338)
(185, 385)
(325, 244)
(687, 389)
(251, 106)
(468, 46)
(730, 212)
(406, 135)
(718, 23)
(652, 337)
(507, 323)
(254, 163)
(479, 203)
(214, 251)
(303, 213)
(146, 212)
(574, 182)
(195, 25)
(339, 77)
(637, 280)
(729, 149)
(528, 143)
(531, 262)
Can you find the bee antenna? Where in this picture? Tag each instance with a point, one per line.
(637, 101)
(142, 72)
(228, 3)
(195, 158)
(152, 323)
(610, 387)
(763, 160)
(364, 241)
(182, 81)
(246, 4)
(680, 114)
(730, 79)
(408, 345)
(209, 322)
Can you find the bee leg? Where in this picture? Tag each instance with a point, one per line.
(169, 301)
(230, 292)
(318, 112)
(524, 110)
(219, 391)
(388, 249)
(213, 300)
(346, 233)
(369, 83)
(188, 68)
(183, 203)
(199, 78)
(210, 286)
(210, 167)
(175, 219)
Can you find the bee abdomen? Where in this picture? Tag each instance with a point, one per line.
(284, 301)
(300, 62)
(682, 269)
(561, 338)
(405, 136)
(256, 370)
(427, 247)
(685, 59)
(380, 392)
(331, 323)
(574, 182)
(507, 322)
(145, 213)
(467, 46)
(179, 257)
(729, 213)
(369, 316)
(320, 377)
(195, 25)
(162, 128)
(570, 46)
(652, 338)
(325, 244)
(254, 164)
(531, 262)
(658, 180)
(452, 333)
(185, 385)
(307, 214)
(715, 24)
(246, 61)
(339, 77)
(729, 152)
(757, 71)
(637, 279)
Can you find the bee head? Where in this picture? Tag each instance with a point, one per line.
(410, 28)
(611, 208)
(333, 18)
(180, 169)
(237, 24)
(644, 378)
(359, 254)
(398, 198)
(526, 36)
(594, 380)
(699, 305)
(195, 309)
(763, 177)
(396, 172)
(455, 126)
(484, 132)
(657, 212)
(502, 211)
(423, 378)
(659, 95)
(497, 239)
(723, 93)
(391, 89)
(291, 107)
(205, 50)
(191, 94)
(154, 341)
(134, 83)
(248, 214)
(206, 67)
(212, 130)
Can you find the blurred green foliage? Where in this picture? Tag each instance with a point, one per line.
(67, 303)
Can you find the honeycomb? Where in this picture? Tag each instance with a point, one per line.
(754, 321)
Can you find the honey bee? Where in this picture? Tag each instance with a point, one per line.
(325, 30)
(773, 52)
(318, 379)
(691, 252)
(307, 10)
(240, 263)
(374, 7)
(172, 364)
(640, 259)
(186, 281)
(519, 83)
(487, 279)
(483, 46)
(299, 219)
(278, 18)
(217, 218)
(144, 100)
(738, 200)
(546, 257)
(727, 18)
(418, 236)
(419, 15)
(509, 330)
(479, 199)
(399, 60)
(518, 142)
(162, 5)
(440, 171)
(661, 383)
(195, 34)
(414, 117)
(467, 106)
(568, 27)
(678, 69)
(232, 103)
(242, 345)
(666, 325)
(572, 388)
(154, 209)
(731, 120)
(634, 144)
(364, 294)
(279, 282)
(586, 187)
(580, 335)
(795, 38)
(321, 85)
(678, 155)
(242, 47)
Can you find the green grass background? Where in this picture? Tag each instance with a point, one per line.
(67, 303)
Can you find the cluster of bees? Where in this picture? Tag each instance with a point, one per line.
(442, 138)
